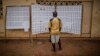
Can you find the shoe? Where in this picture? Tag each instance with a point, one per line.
(53, 45)
(59, 43)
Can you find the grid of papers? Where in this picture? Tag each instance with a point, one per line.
(41, 15)
(70, 15)
(17, 18)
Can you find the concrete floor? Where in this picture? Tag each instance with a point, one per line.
(44, 48)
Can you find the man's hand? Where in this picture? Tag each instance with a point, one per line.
(49, 29)
(60, 29)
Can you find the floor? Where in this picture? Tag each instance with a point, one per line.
(44, 48)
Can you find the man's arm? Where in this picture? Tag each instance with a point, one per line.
(60, 24)
(49, 26)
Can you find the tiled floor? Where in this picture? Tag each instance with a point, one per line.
(44, 48)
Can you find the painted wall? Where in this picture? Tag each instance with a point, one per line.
(86, 22)
(96, 19)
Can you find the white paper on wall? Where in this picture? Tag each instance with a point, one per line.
(17, 18)
(25, 24)
(70, 16)
(41, 14)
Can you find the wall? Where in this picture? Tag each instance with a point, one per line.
(96, 19)
(1, 21)
(13, 34)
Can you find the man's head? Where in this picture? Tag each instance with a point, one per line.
(55, 14)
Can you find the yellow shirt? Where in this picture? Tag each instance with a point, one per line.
(54, 26)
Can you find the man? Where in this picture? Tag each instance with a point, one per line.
(55, 26)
